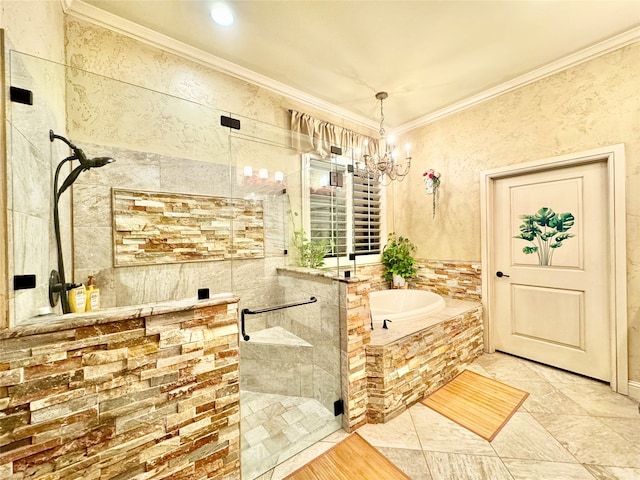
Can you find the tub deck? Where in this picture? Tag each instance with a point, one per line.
(409, 361)
(399, 330)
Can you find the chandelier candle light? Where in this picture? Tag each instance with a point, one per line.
(384, 162)
(431, 184)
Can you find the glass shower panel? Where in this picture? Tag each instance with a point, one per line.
(164, 146)
(30, 168)
(290, 364)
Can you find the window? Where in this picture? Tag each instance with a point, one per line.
(343, 208)
(366, 214)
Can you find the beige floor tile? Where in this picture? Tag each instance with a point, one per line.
(411, 462)
(613, 473)
(627, 428)
(450, 466)
(598, 399)
(505, 367)
(590, 440)
(524, 438)
(479, 369)
(396, 433)
(439, 434)
(556, 375)
(534, 469)
(544, 397)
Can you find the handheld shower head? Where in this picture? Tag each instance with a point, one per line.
(58, 286)
(99, 162)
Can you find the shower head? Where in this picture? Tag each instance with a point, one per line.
(58, 286)
(78, 154)
(84, 165)
(99, 162)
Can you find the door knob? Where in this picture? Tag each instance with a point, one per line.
(499, 274)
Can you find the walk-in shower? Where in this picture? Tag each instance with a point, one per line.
(289, 371)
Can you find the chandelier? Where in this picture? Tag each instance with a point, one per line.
(384, 164)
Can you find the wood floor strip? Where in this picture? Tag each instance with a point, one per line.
(480, 404)
(351, 459)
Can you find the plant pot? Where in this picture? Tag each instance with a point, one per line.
(398, 281)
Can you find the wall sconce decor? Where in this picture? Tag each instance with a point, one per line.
(432, 185)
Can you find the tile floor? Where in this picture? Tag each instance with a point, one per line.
(569, 427)
(276, 427)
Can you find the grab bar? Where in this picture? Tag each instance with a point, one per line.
(246, 311)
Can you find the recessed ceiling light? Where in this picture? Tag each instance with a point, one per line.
(222, 14)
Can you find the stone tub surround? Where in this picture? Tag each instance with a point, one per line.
(151, 390)
(379, 398)
(406, 363)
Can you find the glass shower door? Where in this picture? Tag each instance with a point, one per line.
(290, 360)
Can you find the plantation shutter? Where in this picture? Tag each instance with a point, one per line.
(366, 213)
(328, 206)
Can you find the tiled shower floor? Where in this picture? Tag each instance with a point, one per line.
(276, 427)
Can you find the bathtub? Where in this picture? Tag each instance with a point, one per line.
(402, 305)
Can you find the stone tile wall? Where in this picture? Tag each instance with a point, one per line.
(449, 278)
(317, 324)
(401, 373)
(146, 393)
(155, 228)
(355, 335)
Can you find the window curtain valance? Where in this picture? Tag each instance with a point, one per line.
(318, 136)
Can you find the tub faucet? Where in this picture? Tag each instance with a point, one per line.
(384, 323)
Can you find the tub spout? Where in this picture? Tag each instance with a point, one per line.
(384, 323)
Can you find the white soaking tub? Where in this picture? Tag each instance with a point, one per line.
(401, 305)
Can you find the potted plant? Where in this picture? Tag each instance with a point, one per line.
(397, 257)
(310, 252)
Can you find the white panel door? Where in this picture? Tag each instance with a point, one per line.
(551, 280)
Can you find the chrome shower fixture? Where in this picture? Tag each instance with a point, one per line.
(58, 287)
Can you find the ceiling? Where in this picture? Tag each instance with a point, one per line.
(430, 56)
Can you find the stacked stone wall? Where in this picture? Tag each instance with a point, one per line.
(142, 395)
(403, 372)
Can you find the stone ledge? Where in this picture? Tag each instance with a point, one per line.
(56, 323)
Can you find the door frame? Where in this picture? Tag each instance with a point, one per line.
(615, 159)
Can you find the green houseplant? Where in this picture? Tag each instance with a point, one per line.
(397, 258)
(310, 253)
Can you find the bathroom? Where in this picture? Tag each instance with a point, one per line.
(145, 141)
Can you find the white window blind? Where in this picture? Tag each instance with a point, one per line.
(347, 217)
(366, 214)
(328, 216)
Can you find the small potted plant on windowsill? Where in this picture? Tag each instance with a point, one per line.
(397, 258)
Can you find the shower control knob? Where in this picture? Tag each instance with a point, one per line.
(499, 274)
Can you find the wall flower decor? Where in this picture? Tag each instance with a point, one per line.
(432, 184)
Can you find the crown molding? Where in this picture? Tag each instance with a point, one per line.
(91, 14)
(569, 61)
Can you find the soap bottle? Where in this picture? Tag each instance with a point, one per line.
(78, 299)
(93, 296)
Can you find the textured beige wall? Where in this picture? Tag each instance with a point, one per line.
(98, 50)
(590, 105)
